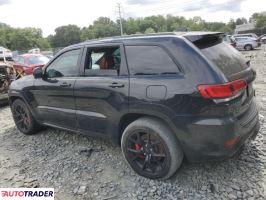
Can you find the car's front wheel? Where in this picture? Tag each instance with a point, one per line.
(151, 149)
(23, 118)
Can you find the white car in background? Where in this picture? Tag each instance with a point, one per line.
(5, 53)
(263, 39)
(246, 43)
(251, 35)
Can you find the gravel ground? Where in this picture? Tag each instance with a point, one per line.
(79, 167)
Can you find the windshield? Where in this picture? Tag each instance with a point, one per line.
(38, 60)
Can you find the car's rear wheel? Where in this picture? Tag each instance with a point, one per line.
(23, 118)
(151, 149)
(248, 47)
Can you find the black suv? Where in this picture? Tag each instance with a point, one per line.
(162, 97)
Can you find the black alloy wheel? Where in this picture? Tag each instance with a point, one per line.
(23, 118)
(147, 153)
(151, 149)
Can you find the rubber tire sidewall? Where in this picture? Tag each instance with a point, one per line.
(34, 125)
(159, 127)
(248, 45)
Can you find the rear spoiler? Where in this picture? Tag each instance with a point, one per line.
(204, 40)
(194, 36)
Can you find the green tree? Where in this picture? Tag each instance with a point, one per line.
(149, 30)
(261, 20)
(130, 26)
(65, 36)
(87, 33)
(254, 17)
(105, 27)
(231, 24)
(240, 21)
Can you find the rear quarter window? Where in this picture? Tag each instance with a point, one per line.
(149, 60)
(229, 60)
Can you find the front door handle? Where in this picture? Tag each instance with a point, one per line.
(117, 85)
(65, 84)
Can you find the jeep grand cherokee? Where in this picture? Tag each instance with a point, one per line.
(161, 97)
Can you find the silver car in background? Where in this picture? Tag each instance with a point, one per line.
(251, 35)
(246, 43)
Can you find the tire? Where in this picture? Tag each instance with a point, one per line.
(23, 118)
(148, 140)
(248, 47)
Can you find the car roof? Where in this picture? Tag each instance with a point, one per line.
(242, 37)
(246, 34)
(145, 37)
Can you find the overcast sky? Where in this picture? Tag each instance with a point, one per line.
(49, 14)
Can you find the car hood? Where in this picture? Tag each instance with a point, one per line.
(37, 65)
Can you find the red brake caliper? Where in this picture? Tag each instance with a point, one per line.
(138, 147)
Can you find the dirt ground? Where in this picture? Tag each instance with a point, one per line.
(79, 167)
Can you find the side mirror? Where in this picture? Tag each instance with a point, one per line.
(38, 73)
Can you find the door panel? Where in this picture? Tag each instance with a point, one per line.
(99, 105)
(101, 96)
(54, 94)
(55, 101)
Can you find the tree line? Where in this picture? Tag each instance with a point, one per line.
(27, 38)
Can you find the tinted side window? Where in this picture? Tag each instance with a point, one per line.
(149, 60)
(228, 59)
(66, 65)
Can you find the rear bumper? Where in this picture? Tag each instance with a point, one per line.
(218, 139)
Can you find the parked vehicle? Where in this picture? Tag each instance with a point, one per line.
(26, 63)
(230, 40)
(7, 75)
(263, 39)
(34, 51)
(5, 53)
(246, 43)
(48, 54)
(161, 97)
(251, 35)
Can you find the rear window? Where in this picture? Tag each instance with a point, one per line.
(229, 60)
(149, 60)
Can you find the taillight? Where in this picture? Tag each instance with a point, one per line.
(222, 91)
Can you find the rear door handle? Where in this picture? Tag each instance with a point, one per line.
(117, 85)
(65, 84)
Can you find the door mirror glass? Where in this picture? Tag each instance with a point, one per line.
(38, 73)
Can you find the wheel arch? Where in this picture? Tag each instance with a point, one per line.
(128, 118)
(250, 45)
(15, 96)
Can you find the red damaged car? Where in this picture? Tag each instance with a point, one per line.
(26, 63)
